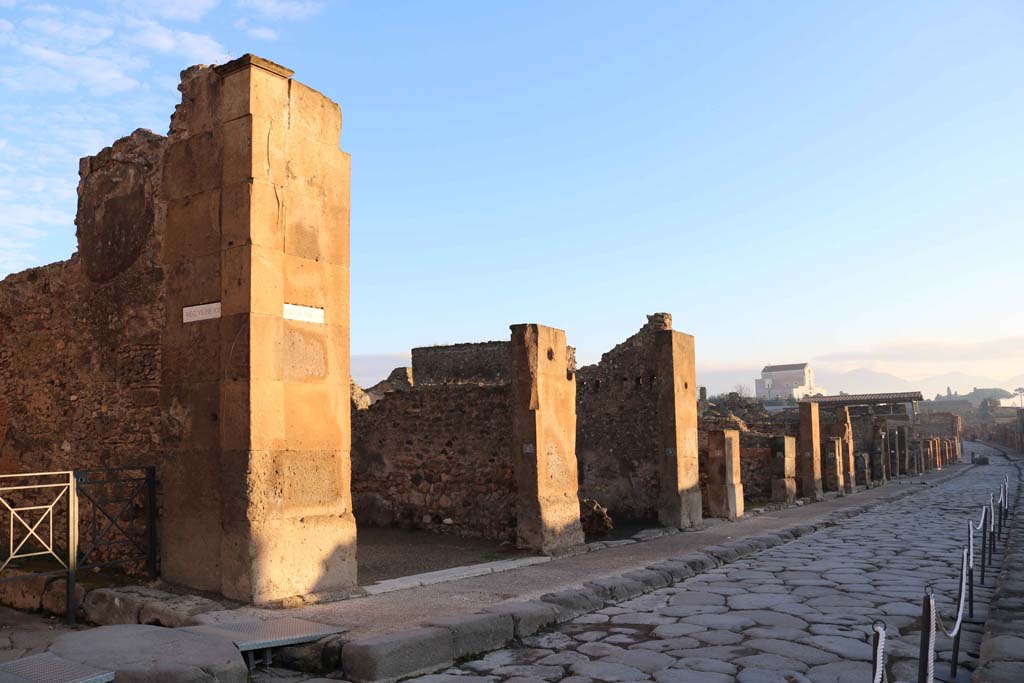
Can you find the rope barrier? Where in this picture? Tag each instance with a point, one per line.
(878, 653)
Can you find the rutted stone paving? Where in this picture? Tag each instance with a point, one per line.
(798, 612)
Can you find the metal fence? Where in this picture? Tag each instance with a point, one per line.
(60, 522)
(994, 514)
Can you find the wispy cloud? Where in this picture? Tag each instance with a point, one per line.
(292, 10)
(179, 10)
(196, 47)
(258, 32)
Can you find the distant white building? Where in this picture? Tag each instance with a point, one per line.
(795, 381)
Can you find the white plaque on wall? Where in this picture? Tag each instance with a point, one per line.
(304, 314)
(191, 314)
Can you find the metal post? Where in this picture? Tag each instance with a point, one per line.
(72, 567)
(984, 543)
(992, 528)
(926, 654)
(151, 521)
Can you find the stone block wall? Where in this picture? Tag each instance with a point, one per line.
(436, 458)
(472, 363)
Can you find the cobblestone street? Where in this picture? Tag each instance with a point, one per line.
(798, 612)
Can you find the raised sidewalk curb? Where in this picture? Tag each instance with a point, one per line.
(1002, 649)
(439, 643)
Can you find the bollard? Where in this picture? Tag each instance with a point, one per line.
(984, 543)
(991, 528)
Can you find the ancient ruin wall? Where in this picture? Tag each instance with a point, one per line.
(756, 466)
(437, 453)
(80, 339)
(617, 427)
(473, 363)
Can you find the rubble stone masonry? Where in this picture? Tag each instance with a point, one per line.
(80, 339)
(437, 458)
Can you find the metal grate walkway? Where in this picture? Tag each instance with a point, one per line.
(47, 668)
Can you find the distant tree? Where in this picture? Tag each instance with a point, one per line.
(741, 390)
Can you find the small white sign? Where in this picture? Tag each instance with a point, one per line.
(304, 314)
(191, 314)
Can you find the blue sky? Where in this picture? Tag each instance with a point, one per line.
(833, 182)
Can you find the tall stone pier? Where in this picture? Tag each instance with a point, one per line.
(725, 489)
(680, 501)
(809, 455)
(255, 370)
(832, 454)
(544, 438)
(783, 469)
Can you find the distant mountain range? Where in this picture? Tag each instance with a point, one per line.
(863, 381)
(368, 369)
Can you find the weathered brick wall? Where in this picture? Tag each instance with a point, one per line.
(433, 453)
(473, 363)
(617, 426)
(80, 339)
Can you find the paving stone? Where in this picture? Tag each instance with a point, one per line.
(718, 637)
(771, 676)
(676, 630)
(151, 654)
(608, 671)
(706, 664)
(804, 653)
(760, 600)
(847, 648)
(644, 660)
(852, 672)
(684, 676)
(772, 661)
(547, 673)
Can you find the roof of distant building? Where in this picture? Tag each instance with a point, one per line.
(866, 399)
(783, 368)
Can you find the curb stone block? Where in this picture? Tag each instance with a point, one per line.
(529, 616)
(390, 657)
(176, 610)
(23, 593)
(320, 657)
(722, 553)
(573, 603)
(616, 589)
(650, 579)
(699, 562)
(55, 598)
(475, 633)
(111, 606)
(679, 571)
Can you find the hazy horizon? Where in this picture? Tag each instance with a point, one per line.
(825, 182)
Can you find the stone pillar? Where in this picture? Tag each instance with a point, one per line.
(680, 501)
(255, 356)
(784, 469)
(926, 452)
(903, 450)
(936, 453)
(809, 456)
(848, 465)
(544, 438)
(725, 490)
(879, 455)
(832, 455)
(863, 464)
